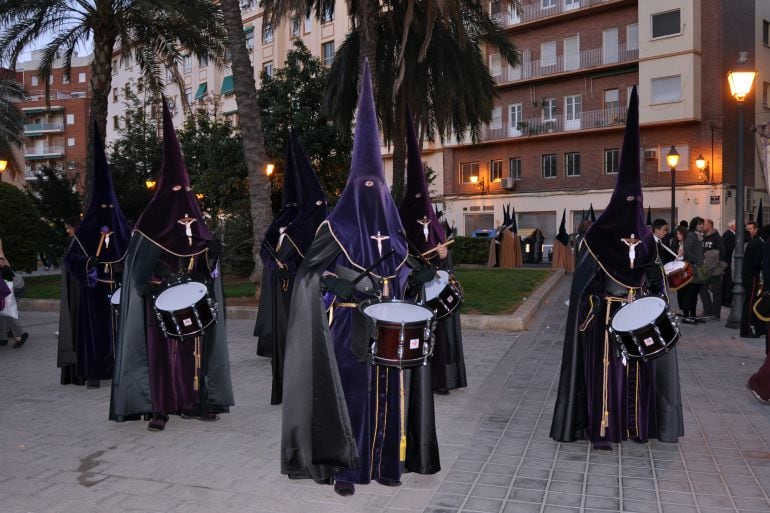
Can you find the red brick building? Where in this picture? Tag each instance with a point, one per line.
(559, 118)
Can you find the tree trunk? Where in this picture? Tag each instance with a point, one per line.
(399, 149)
(251, 130)
(101, 83)
(370, 11)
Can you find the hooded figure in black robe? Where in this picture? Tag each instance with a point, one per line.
(69, 306)
(341, 421)
(264, 328)
(611, 402)
(155, 374)
(426, 233)
(282, 259)
(93, 264)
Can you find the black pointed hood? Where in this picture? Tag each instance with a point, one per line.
(563, 236)
(621, 225)
(591, 214)
(759, 214)
(290, 200)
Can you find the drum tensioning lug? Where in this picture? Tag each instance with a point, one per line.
(176, 325)
(213, 306)
(401, 338)
(638, 346)
(197, 319)
(161, 322)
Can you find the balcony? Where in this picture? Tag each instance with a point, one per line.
(43, 152)
(43, 128)
(586, 120)
(536, 11)
(586, 59)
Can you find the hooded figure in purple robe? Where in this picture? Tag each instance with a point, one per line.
(599, 397)
(282, 255)
(156, 375)
(341, 422)
(94, 261)
(425, 232)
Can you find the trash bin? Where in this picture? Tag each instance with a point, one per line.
(531, 245)
(483, 234)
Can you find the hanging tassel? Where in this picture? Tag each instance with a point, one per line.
(402, 447)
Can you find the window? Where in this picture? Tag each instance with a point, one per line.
(468, 169)
(169, 74)
(494, 66)
(515, 120)
(267, 33)
(666, 24)
(308, 24)
(116, 122)
(70, 119)
(548, 4)
(295, 26)
(114, 95)
(495, 170)
(514, 168)
(203, 61)
(267, 69)
(571, 53)
(81, 77)
(65, 79)
(328, 14)
(611, 103)
(611, 161)
(666, 89)
(327, 53)
(50, 79)
(572, 164)
(188, 95)
(549, 166)
(70, 141)
(632, 36)
(114, 66)
(127, 62)
(572, 111)
(548, 54)
(766, 32)
(249, 35)
(497, 119)
(33, 81)
(765, 88)
(549, 109)
(187, 63)
(610, 46)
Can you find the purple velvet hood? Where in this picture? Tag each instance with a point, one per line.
(174, 206)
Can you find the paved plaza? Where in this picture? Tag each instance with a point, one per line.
(59, 453)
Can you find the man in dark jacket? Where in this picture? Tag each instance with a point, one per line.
(728, 240)
(752, 267)
(713, 255)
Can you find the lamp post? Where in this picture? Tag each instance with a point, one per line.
(150, 183)
(478, 182)
(269, 168)
(740, 80)
(672, 159)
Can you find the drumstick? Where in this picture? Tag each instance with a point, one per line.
(447, 243)
(669, 249)
(101, 241)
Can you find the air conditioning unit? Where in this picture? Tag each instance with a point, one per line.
(508, 183)
(651, 153)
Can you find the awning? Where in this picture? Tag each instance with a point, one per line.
(227, 85)
(248, 29)
(201, 92)
(229, 112)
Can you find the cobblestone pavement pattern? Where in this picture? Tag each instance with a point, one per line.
(59, 453)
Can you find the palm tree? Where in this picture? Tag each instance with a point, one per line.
(156, 32)
(433, 64)
(251, 130)
(11, 120)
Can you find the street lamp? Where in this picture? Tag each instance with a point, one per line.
(478, 182)
(269, 169)
(672, 159)
(150, 184)
(740, 79)
(701, 164)
(3, 165)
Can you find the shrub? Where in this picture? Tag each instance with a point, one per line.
(470, 250)
(20, 229)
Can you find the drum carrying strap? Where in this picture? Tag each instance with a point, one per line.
(606, 364)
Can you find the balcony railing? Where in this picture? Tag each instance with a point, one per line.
(43, 127)
(535, 11)
(586, 59)
(537, 126)
(41, 152)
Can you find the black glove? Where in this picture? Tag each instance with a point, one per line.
(91, 263)
(654, 278)
(424, 274)
(343, 289)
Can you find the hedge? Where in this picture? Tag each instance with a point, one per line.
(20, 228)
(470, 250)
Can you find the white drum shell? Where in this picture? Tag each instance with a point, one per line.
(180, 296)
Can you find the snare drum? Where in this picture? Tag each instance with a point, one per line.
(644, 329)
(115, 299)
(444, 294)
(678, 273)
(401, 332)
(184, 310)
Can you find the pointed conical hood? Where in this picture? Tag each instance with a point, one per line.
(289, 203)
(583, 216)
(563, 236)
(759, 214)
(624, 216)
(420, 222)
(174, 207)
(506, 215)
(514, 227)
(591, 214)
(103, 215)
(365, 208)
(649, 216)
(312, 205)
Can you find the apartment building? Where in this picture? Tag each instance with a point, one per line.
(558, 123)
(56, 128)
(204, 82)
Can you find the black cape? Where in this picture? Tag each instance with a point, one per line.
(69, 304)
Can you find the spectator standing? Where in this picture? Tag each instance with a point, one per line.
(713, 256)
(9, 316)
(728, 240)
(691, 250)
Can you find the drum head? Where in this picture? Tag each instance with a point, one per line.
(639, 313)
(434, 287)
(180, 296)
(115, 298)
(398, 312)
(676, 265)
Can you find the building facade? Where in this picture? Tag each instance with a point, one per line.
(56, 127)
(558, 124)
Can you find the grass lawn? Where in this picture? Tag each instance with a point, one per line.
(487, 291)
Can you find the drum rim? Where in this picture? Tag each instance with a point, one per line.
(648, 323)
(369, 302)
(442, 274)
(177, 285)
(675, 265)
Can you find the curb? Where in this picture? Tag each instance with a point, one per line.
(517, 321)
